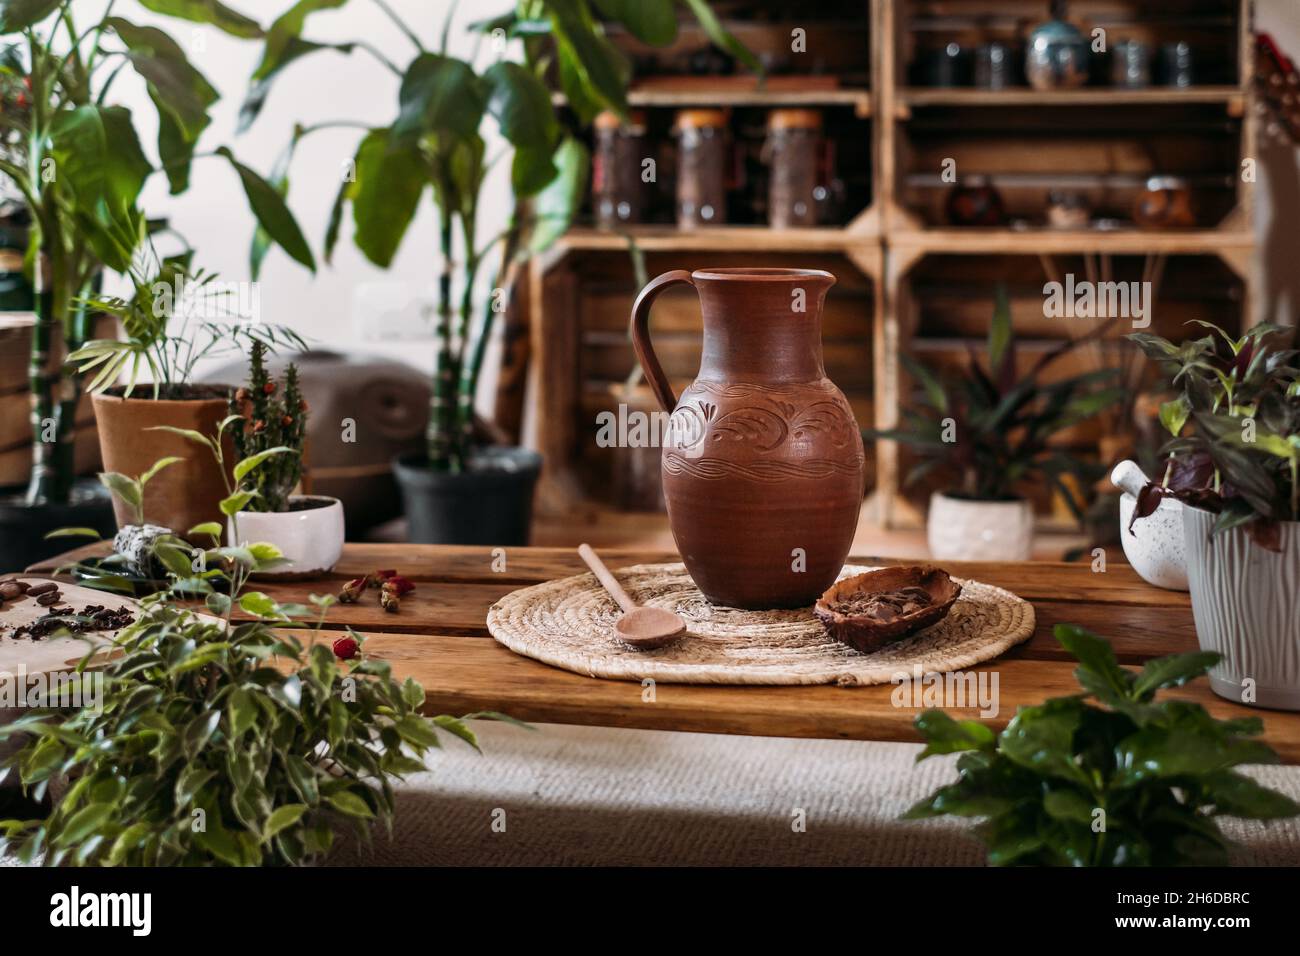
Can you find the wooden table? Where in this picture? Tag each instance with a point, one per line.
(440, 638)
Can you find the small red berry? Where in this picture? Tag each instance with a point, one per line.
(258, 426)
(286, 421)
(269, 388)
(346, 648)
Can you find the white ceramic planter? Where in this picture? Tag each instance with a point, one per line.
(311, 540)
(959, 529)
(1246, 603)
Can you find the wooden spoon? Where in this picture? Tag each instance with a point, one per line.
(644, 628)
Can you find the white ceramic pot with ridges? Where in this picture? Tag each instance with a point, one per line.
(1246, 604)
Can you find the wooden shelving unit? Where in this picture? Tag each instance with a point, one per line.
(894, 248)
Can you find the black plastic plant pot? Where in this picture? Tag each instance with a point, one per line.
(23, 528)
(491, 502)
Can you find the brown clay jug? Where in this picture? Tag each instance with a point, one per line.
(762, 459)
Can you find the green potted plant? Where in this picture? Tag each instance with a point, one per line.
(463, 489)
(1234, 463)
(202, 754)
(75, 158)
(270, 429)
(1127, 781)
(989, 432)
(175, 316)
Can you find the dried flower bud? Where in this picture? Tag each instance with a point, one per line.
(352, 591)
(389, 600)
(268, 388)
(399, 584)
(286, 421)
(346, 648)
(377, 578)
(258, 426)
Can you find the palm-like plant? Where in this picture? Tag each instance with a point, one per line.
(79, 165)
(435, 141)
(990, 429)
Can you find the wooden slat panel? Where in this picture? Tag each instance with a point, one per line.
(461, 675)
(465, 671)
(1032, 580)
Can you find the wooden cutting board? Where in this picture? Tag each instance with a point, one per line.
(52, 654)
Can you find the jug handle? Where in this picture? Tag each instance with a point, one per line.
(645, 354)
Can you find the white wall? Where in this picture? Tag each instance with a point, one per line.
(324, 86)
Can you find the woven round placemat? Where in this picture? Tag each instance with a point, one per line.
(569, 623)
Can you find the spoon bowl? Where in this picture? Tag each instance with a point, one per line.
(643, 628)
(646, 628)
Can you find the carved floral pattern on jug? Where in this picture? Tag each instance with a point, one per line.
(761, 437)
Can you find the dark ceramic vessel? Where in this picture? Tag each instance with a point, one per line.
(762, 462)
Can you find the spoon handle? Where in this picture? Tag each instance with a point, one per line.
(602, 573)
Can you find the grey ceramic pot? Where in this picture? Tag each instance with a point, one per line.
(490, 503)
(1246, 602)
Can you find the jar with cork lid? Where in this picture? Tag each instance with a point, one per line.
(701, 167)
(616, 186)
(793, 151)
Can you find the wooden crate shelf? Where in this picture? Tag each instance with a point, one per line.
(1232, 97)
(859, 100)
(928, 285)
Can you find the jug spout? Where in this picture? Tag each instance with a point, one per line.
(762, 325)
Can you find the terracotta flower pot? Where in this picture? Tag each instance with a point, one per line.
(181, 495)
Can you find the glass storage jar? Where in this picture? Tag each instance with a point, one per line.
(794, 148)
(701, 168)
(616, 186)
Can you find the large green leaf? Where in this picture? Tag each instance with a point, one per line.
(1098, 670)
(650, 21)
(944, 735)
(207, 11)
(293, 49)
(161, 61)
(599, 65)
(520, 103)
(556, 205)
(1041, 739)
(272, 213)
(262, 240)
(181, 94)
(1172, 671)
(284, 44)
(441, 95)
(390, 180)
(285, 28)
(16, 15)
(531, 169)
(100, 169)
